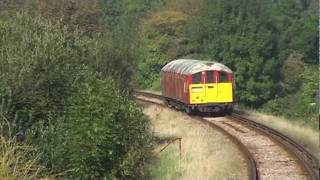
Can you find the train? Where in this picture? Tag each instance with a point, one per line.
(198, 86)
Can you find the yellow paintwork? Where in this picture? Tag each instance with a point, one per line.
(224, 92)
(197, 93)
(211, 93)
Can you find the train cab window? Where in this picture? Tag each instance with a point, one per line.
(196, 78)
(223, 77)
(210, 77)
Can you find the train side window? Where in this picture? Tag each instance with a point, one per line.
(210, 77)
(223, 77)
(196, 78)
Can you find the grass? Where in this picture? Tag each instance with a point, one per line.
(206, 154)
(18, 162)
(156, 85)
(300, 132)
(167, 166)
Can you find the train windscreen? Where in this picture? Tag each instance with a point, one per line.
(210, 78)
(223, 77)
(196, 78)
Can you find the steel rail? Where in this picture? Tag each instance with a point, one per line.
(253, 173)
(308, 161)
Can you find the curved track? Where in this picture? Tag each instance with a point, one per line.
(269, 154)
(306, 160)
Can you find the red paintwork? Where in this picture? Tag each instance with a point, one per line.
(173, 86)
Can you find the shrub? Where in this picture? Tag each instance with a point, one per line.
(81, 122)
(38, 61)
(102, 135)
(301, 105)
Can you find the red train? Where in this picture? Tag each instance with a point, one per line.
(198, 85)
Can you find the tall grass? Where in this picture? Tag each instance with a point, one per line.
(19, 162)
(167, 165)
(206, 154)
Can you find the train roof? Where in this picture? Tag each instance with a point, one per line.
(191, 66)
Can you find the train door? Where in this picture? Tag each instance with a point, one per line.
(197, 88)
(224, 90)
(211, 87)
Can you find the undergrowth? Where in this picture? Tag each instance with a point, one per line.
(20, 162)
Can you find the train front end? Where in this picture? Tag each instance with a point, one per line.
(211, 91)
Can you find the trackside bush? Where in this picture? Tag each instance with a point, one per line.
(38, 61)
(81, 122)
(102, 135)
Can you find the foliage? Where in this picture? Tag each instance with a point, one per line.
(102, 133)
(254, 39)
(36, 68)
(292, 70)
(303, 104)
(40, 60)
(49, 67)
(161, 40)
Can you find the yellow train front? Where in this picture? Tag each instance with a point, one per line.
(192, 85)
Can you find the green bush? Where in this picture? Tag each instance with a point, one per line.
(37, 61)
(54, 96)
(102, 135)
(301, 105)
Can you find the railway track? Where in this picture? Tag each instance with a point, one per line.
(269, 153)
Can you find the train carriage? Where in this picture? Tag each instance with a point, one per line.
(205, 86)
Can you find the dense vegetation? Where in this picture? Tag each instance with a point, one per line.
(65, 87)
(67, 68)
(272, 46)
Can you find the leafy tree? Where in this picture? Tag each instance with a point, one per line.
(162, 40)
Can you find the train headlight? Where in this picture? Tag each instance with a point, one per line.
(197, 89)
